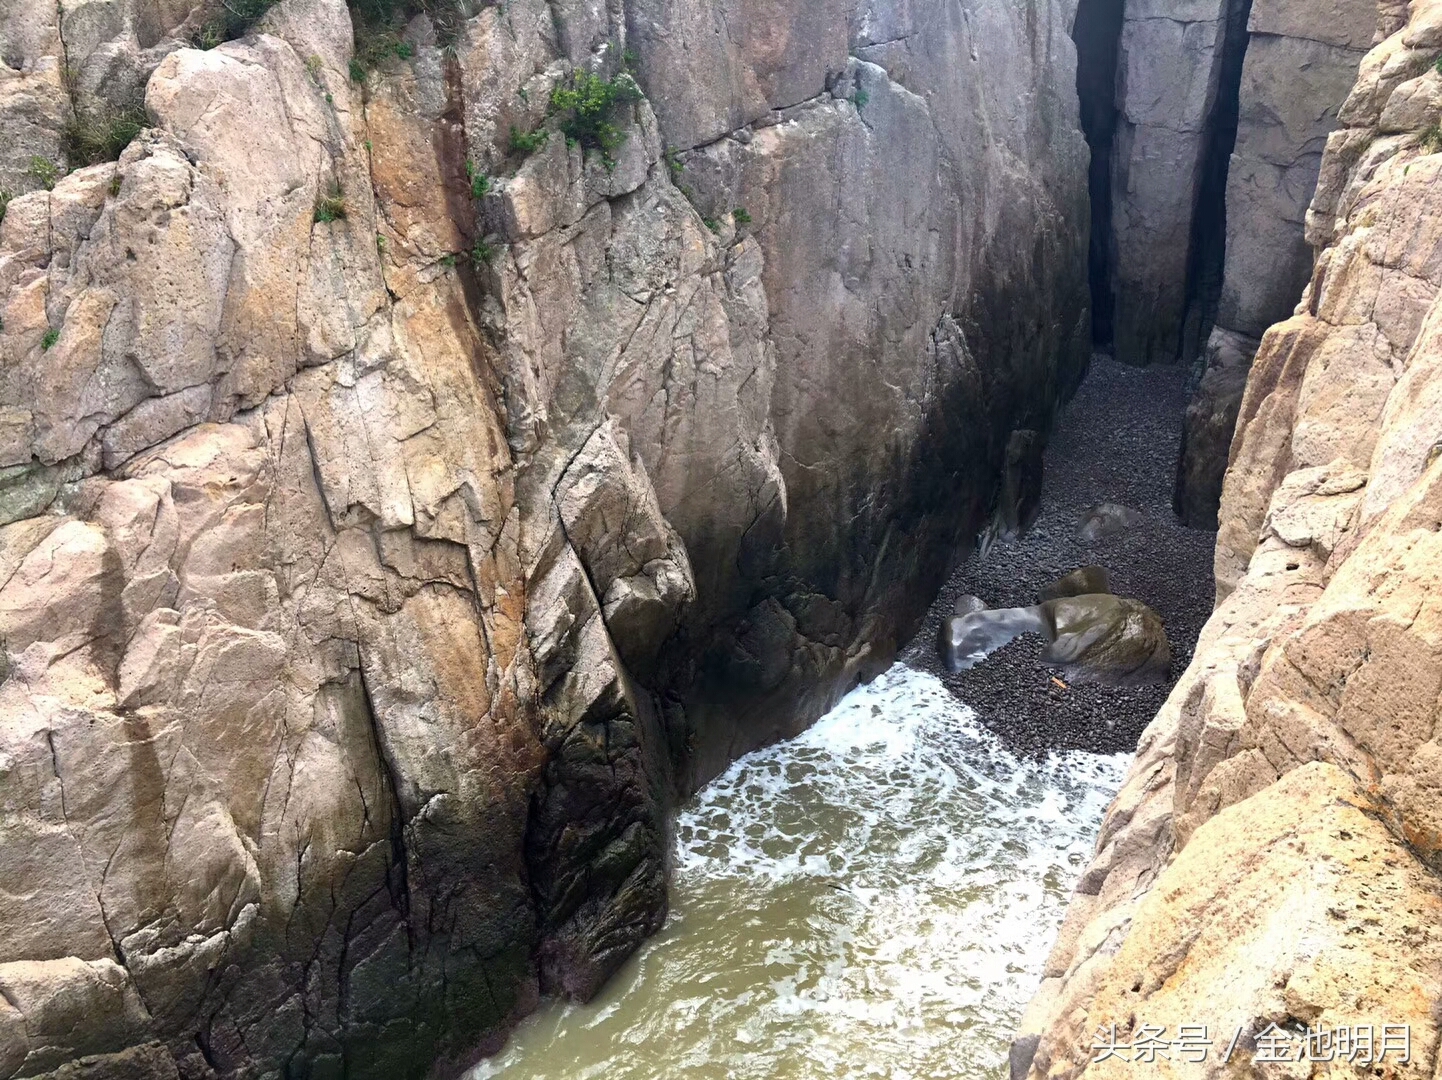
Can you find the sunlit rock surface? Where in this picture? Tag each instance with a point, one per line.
(374, 576)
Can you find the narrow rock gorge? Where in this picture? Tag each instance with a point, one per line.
(439, 436)
(436, 438)
(1272, 858)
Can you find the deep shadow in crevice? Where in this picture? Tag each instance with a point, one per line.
(1097, 33)
(1207, 256)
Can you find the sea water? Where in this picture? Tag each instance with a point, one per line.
(875, 898)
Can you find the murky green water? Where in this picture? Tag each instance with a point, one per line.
(873, 899)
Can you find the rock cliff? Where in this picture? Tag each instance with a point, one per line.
(1300, 63)
(412, 482)
(1272, 857)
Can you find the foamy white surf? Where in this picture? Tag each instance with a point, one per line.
(872, 899)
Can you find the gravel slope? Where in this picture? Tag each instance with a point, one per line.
(1116, 442)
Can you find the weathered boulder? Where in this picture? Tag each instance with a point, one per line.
(1107, 639)
(34, 106)
(1170, 66)
(1208, 426)
(1300, 63)
(395, 519)
(1106, 519)
(1080, 582)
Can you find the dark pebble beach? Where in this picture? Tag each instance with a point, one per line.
(1117, 442)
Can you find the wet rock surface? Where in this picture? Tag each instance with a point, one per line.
(1116, 442)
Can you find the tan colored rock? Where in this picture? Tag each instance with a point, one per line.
(1274, 850)
(1294, 907)
(363, 577)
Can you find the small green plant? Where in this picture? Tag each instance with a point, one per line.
(115, 185)
(741, 216)
(330, 206)
(43, 171)
(51, 337)
(314, 65)
(673, 162)
(526, 142)
(481, 254)
(5, 198)
(380, 243)
(373, 47)
(480, 182)
(859, 99)
(1431, 139)
(235, 21)
(448, 261)
(524, 95)
(378, 27)
(588, 108)
(1438, 66)
(712, 224)
(90, 140)
(367, 145)
(630, 59)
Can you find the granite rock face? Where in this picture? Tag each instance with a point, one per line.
(1272, 856)
(392, 523)
(1301, 62)
(1169, 79)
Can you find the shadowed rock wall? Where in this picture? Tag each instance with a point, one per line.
(383, 550)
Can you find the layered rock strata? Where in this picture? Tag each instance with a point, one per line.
(400, 509)
(1272, 858)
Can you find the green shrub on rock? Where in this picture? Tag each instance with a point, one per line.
(91, 140)
(234, 21)
(588, 106)
(330, 206)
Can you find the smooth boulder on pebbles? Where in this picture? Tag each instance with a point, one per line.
(1106, 519)
(1107, 639)
(1082, 581)
(1097, 638)
(966, 640)
(953, 630)
(966, 604)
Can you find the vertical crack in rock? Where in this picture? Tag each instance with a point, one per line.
(1097, 34)
(1207, 250)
